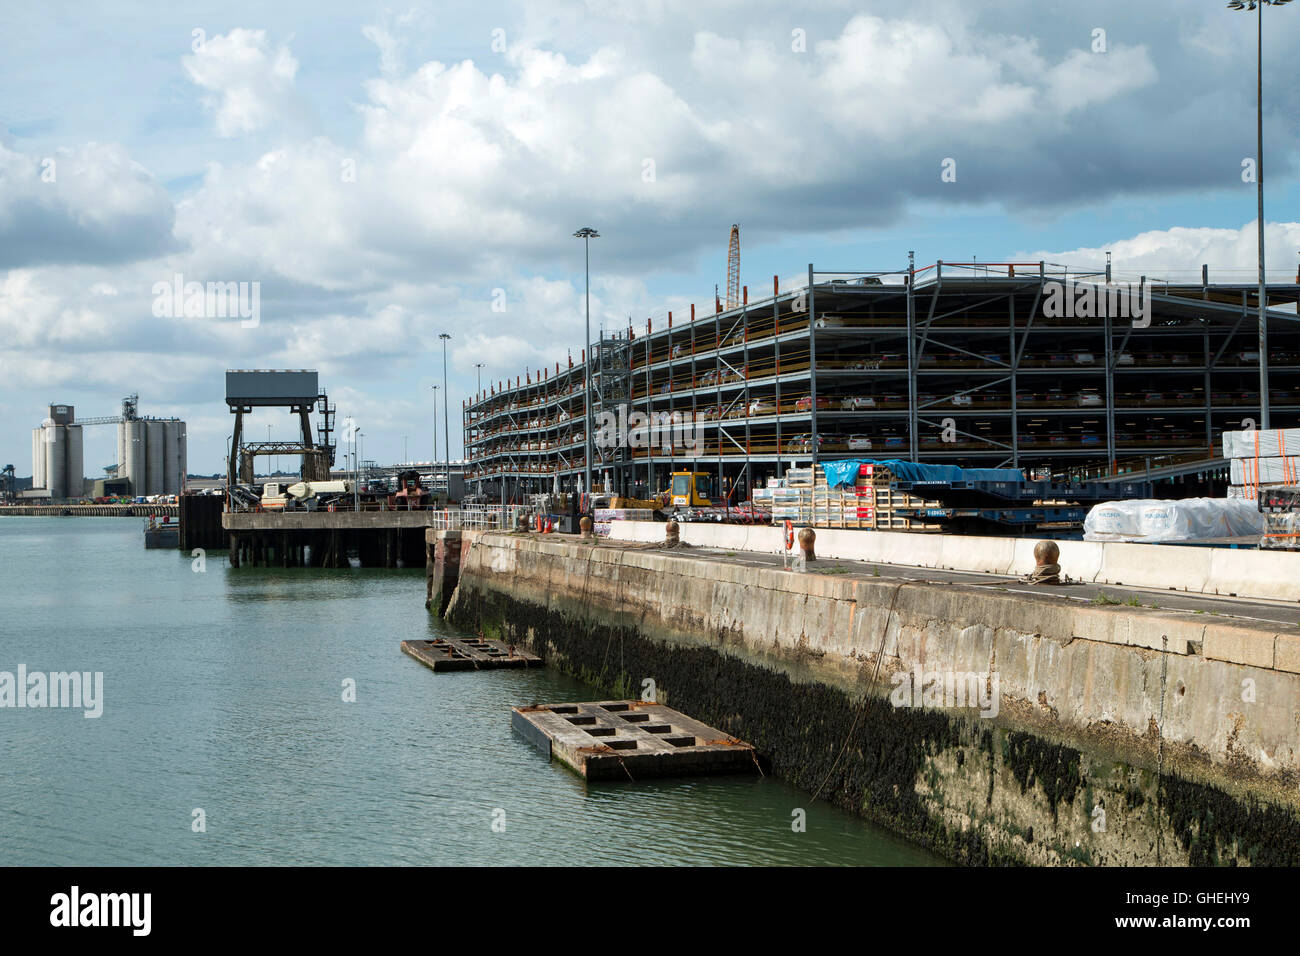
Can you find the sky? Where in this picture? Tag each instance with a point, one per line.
(382, 174)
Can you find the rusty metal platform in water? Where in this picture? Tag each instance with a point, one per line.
(469, 653)
(630, 739)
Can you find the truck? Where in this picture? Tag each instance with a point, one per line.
(277, 497)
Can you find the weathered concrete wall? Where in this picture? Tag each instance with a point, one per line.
(1103, 750)
(442, 566)
(1259, 574)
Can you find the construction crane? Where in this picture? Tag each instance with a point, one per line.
(733, 268)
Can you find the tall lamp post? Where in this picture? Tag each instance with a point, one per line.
(586, 234)
(1259, 184)
(446, 417)
(433, 462)
(478, 378)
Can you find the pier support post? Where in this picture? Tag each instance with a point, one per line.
(442, 568)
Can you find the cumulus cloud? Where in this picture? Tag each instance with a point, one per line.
(1179, 252)
(251, 83)
(92, 204)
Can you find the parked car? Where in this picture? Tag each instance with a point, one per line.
(962, 401)
(857, 403)
(805, 404)
(762, 406)
(859, 443)
(1088, 400)
(804, 443)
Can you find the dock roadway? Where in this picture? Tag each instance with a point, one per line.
(1116, 724)
(1285, 614)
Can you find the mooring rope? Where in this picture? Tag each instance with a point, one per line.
(866, 700)
(1160, 734)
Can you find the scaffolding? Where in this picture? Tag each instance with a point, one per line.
(964, 363)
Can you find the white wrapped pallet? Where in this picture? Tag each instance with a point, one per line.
(1274, 443)
(1263, 471)
(1188, 519)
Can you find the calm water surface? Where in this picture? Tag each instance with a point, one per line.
(223, 690)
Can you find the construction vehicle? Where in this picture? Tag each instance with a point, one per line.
(689, 497)
(410, 494)
(691, 489)
(305, 494)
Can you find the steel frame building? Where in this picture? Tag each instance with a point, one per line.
(956, 363)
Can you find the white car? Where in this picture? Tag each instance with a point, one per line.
(961, 401)
(857, 403)
(1088, 400)
(859, 443)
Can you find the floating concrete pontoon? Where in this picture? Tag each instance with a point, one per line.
(630, 739)
(468, 653)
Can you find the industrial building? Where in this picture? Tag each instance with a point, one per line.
(1063, 374)
(151, 452)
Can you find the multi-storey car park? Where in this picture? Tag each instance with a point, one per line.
(957, 363)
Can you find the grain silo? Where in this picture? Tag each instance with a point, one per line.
(121, 450)
(135, 441)
(169, 458)
(154, 458)
(38, 458)
(56, 465)
(182, 456)
(75, 463)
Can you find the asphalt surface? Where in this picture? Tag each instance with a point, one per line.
(1284, 614)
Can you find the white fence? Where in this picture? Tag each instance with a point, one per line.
(476, 518)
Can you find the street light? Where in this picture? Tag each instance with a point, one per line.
(1259, 184)
(446, 419)
(478, 383)
(586, 234)
(433, 462)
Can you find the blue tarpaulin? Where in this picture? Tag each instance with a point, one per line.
(844, 472)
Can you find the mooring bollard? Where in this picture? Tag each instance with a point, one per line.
(672, 534)
(584, 524)
(807, 537)
(1047, 570)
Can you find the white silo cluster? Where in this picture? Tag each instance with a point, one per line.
(57, 461)
(151, 454)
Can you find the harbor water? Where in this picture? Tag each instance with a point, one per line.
(264, 717)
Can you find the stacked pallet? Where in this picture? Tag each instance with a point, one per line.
(1262, 460)
(870, 503)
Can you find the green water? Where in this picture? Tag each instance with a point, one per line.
(223, 691)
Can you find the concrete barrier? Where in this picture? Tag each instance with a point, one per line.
(1155, 565)
(1268, 574)
(1208, 570)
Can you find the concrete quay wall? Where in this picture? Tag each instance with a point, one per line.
(1120, 735)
